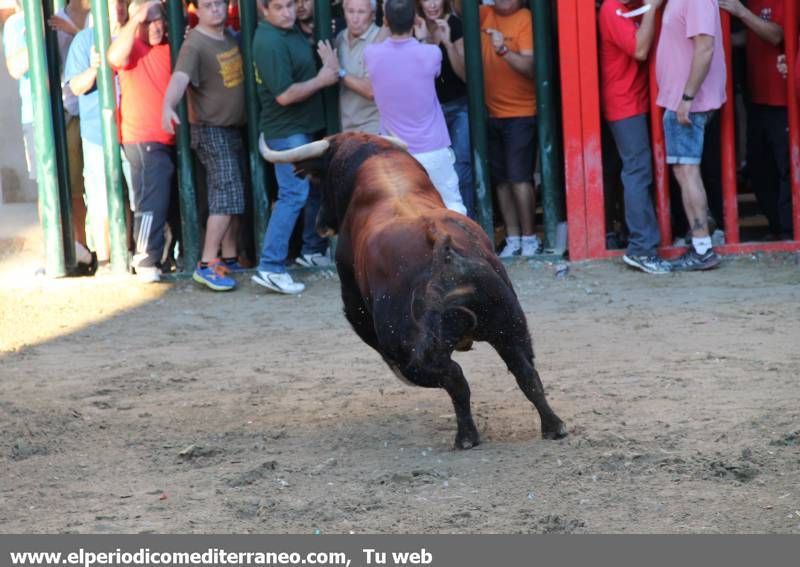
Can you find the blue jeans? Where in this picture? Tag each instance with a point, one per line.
(293, 194)
(684, 142)
(632, 136)
(455, 114)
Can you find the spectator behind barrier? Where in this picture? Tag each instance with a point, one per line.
(443, 28)
(67, 22)
(141, 56)
(768, 121)
(16, 54)
(288, 85)
(80, 76)
(231, 22)
(691, 46)
(357, 109)
(403, 72)
(210, 66)
(305, 18)
(625, 42)
(507, 50)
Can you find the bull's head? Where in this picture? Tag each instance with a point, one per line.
(332, 163)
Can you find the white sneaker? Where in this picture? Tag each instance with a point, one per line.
(530, 246)
(315, 260)
(282, 283)
(512, 248)
(148, 274)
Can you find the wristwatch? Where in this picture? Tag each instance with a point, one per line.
(342, 73)
(687, 98)
(502, 51)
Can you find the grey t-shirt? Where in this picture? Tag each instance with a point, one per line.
(357, 113)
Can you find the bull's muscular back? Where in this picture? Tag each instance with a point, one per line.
(393, 220)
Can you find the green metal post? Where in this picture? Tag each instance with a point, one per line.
(477, 115)
(57, 5)
(188, 200)
(46, 168)
(330, 95)
(549, 127)
(60, 138)
(248, 19)
(111, 158)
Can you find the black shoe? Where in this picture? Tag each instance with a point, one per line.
(648, 264)
(694, 261)
(89, 269)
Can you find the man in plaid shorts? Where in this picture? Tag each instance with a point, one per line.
(210, 67)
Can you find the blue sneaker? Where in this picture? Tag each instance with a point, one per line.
(214, 276)
(234, 266)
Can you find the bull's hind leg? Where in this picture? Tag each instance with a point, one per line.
(456, 385)
(519, 359)
(453, 381)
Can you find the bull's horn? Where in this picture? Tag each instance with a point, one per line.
(396, 141)
(307, 151)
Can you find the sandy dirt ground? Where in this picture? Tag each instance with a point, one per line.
(167, 408)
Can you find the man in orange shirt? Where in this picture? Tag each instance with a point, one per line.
(507, 49)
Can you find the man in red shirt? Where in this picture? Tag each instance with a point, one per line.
(140, 54)
(627, 29)
(767, 118)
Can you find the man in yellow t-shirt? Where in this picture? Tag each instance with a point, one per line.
(507, 49)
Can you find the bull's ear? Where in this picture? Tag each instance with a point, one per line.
(309, 168)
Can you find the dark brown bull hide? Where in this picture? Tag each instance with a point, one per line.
(418, 280)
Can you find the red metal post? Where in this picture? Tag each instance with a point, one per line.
(730, 204)
(790, 41)
(592, 143)
(659, 148)
(572, 128)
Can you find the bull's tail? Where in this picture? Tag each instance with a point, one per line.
(444, 322)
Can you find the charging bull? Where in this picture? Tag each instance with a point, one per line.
(418, 280)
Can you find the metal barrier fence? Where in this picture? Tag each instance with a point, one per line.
(51, 151)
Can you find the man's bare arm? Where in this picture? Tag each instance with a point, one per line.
(120, 49)
(701, 63)
(766, 30)
(521, 62)
(361, 85)
(83, 82)
(175, 89)
(299, 92)
(647, 32)
(17, 63)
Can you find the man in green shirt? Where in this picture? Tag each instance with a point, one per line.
(289, 85)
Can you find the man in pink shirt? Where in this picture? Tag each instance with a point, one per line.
(690, 67)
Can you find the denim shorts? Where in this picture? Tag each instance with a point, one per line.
(685, 142)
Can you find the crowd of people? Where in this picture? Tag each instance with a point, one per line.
(692, 86)
(400, 72)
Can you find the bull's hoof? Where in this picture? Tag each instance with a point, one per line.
(467, 441)
(559, 431)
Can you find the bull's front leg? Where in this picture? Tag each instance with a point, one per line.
(355, 310)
